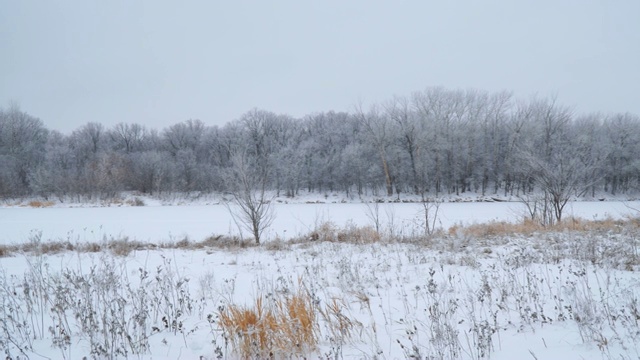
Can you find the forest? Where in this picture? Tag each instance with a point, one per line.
(433, 142)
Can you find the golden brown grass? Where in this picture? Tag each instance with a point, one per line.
(283, 326)
(528, 227)
(40, 204)
(330, 232)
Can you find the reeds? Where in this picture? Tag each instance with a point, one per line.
(274, 326)
(528, 227)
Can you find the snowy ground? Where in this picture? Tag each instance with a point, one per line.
(546, 296)
(157, 223)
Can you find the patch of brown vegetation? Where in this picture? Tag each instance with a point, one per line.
(41, 248)
(528, 227)
(272, 327)
(40, 204)
(183, 244)
(90, 248)
(124, 247)
(5, 251)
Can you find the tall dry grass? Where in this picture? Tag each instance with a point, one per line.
(329, 232)
(528, 227)
(272, 327)
(40, 204)
(350, 233)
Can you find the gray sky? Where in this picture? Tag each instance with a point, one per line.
(159, 63)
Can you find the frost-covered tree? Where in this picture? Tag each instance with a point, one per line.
(622, 133)
(410, 132)
(184, 136)
(556, 161)
(22, 148)
(185, 143)
(380, 133)
(493, 141)
(128, 138)
(149, 172)
(436, 141)
(247, 184)
(324, 137)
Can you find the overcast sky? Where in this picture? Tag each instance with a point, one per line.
(162, 62)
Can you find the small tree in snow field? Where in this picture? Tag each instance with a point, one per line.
(251, 204)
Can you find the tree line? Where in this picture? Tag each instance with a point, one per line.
(434, 142)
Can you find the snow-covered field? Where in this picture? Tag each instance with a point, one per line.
(172, 223)
(546, 296)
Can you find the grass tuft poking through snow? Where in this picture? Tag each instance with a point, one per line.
(277, 325)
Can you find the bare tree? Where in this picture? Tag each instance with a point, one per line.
(186, 135)
(247, 184)
(429, 213)
(128, 137)
(22, 149)
(89, 138)
(538, 208)
(556, 161)
(622, 134)
(441, 111)
(491, 128)
(380, 132)
(564, 174)
(372, 210)
(400, 111)
(149, 171)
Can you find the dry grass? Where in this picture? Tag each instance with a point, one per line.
(340, 326)
(223, 242)
(281, 327)
(349, 234)
(40, 204)
(528, 227)
(329, 232)
(136, 201)
(91, 247)
(123, 247)
(277, 245)
(183, 244)
(300, 327)
(119, 201)
(5, 251)
(39, 248)
(120, 247)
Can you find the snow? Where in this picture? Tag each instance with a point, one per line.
(405, 297)
(171, 223)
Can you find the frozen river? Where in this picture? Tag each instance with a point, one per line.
(171, 223)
